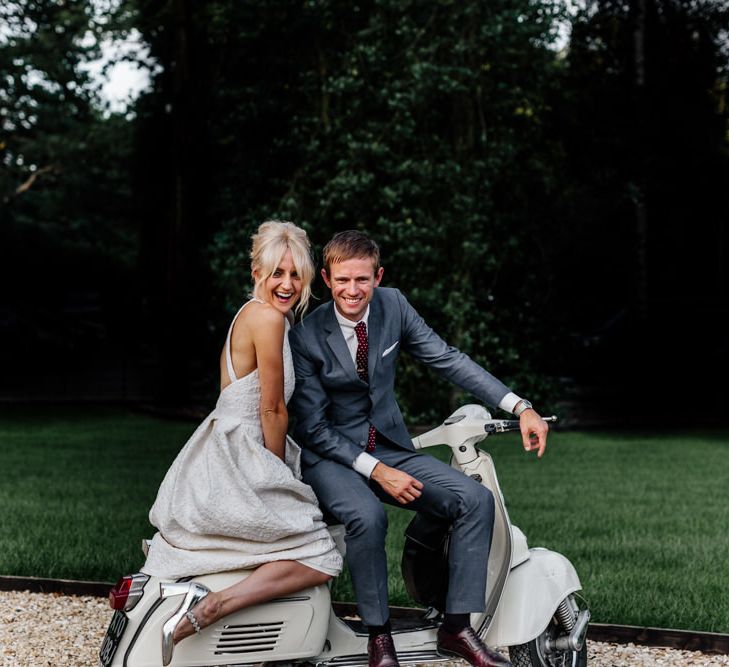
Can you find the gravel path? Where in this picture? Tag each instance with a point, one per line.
(71, 629)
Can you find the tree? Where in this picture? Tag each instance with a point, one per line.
(420, 122)
(66, 216)
(644, 120)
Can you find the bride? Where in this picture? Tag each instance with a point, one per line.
(233, 497)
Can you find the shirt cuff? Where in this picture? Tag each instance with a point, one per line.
(365, 463)
(508, 403)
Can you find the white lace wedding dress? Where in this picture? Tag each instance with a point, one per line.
(228, 503)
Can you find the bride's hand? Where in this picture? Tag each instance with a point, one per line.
(402, 487)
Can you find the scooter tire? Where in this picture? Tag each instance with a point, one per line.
(529, 655)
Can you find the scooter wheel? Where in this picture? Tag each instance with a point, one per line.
(536, 653)
(530, 655)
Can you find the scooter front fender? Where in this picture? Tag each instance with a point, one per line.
(533, 591)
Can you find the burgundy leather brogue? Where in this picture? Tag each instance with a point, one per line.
(381, 652)
(467, 644)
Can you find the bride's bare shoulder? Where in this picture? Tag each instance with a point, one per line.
(259, 316)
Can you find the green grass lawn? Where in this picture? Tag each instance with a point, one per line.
(643, 517)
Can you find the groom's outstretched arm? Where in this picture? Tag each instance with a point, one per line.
(424, 344)
(309, 405)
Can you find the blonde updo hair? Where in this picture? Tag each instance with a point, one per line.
(270, 243)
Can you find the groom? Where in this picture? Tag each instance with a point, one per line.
(357, 452)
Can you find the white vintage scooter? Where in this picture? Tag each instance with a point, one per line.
(531, 606)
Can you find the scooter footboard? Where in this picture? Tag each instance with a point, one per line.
(531, 596)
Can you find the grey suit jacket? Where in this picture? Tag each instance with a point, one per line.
(334, 408)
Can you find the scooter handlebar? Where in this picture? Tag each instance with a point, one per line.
(459, 429)
(504, 425)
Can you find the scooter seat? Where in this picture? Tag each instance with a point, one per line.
(336, 530)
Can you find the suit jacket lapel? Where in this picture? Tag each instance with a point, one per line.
(375, 325)
(338, 345)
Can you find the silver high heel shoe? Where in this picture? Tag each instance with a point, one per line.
(193, 593)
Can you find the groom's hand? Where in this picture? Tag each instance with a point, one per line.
(533, 431)
(396, 483)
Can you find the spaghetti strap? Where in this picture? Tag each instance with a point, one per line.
(228, 352)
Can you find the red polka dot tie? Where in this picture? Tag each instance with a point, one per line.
(361, 360)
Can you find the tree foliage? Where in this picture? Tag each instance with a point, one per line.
(55, 142)
(65, 187)
(522, 197)
(421, 123)
(644, 123)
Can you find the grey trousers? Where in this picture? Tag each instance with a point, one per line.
(447, 494)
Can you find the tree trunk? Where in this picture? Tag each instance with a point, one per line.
(640, 194)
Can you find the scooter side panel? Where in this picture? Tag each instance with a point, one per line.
(283, 629)
(531, 596)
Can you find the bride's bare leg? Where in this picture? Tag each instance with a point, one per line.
(268, 581)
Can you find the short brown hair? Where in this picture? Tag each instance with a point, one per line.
(350, 244)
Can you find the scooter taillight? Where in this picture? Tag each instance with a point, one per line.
(128, 591)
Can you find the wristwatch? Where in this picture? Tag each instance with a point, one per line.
(522, 405)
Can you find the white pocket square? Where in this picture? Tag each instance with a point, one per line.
(390, 349)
